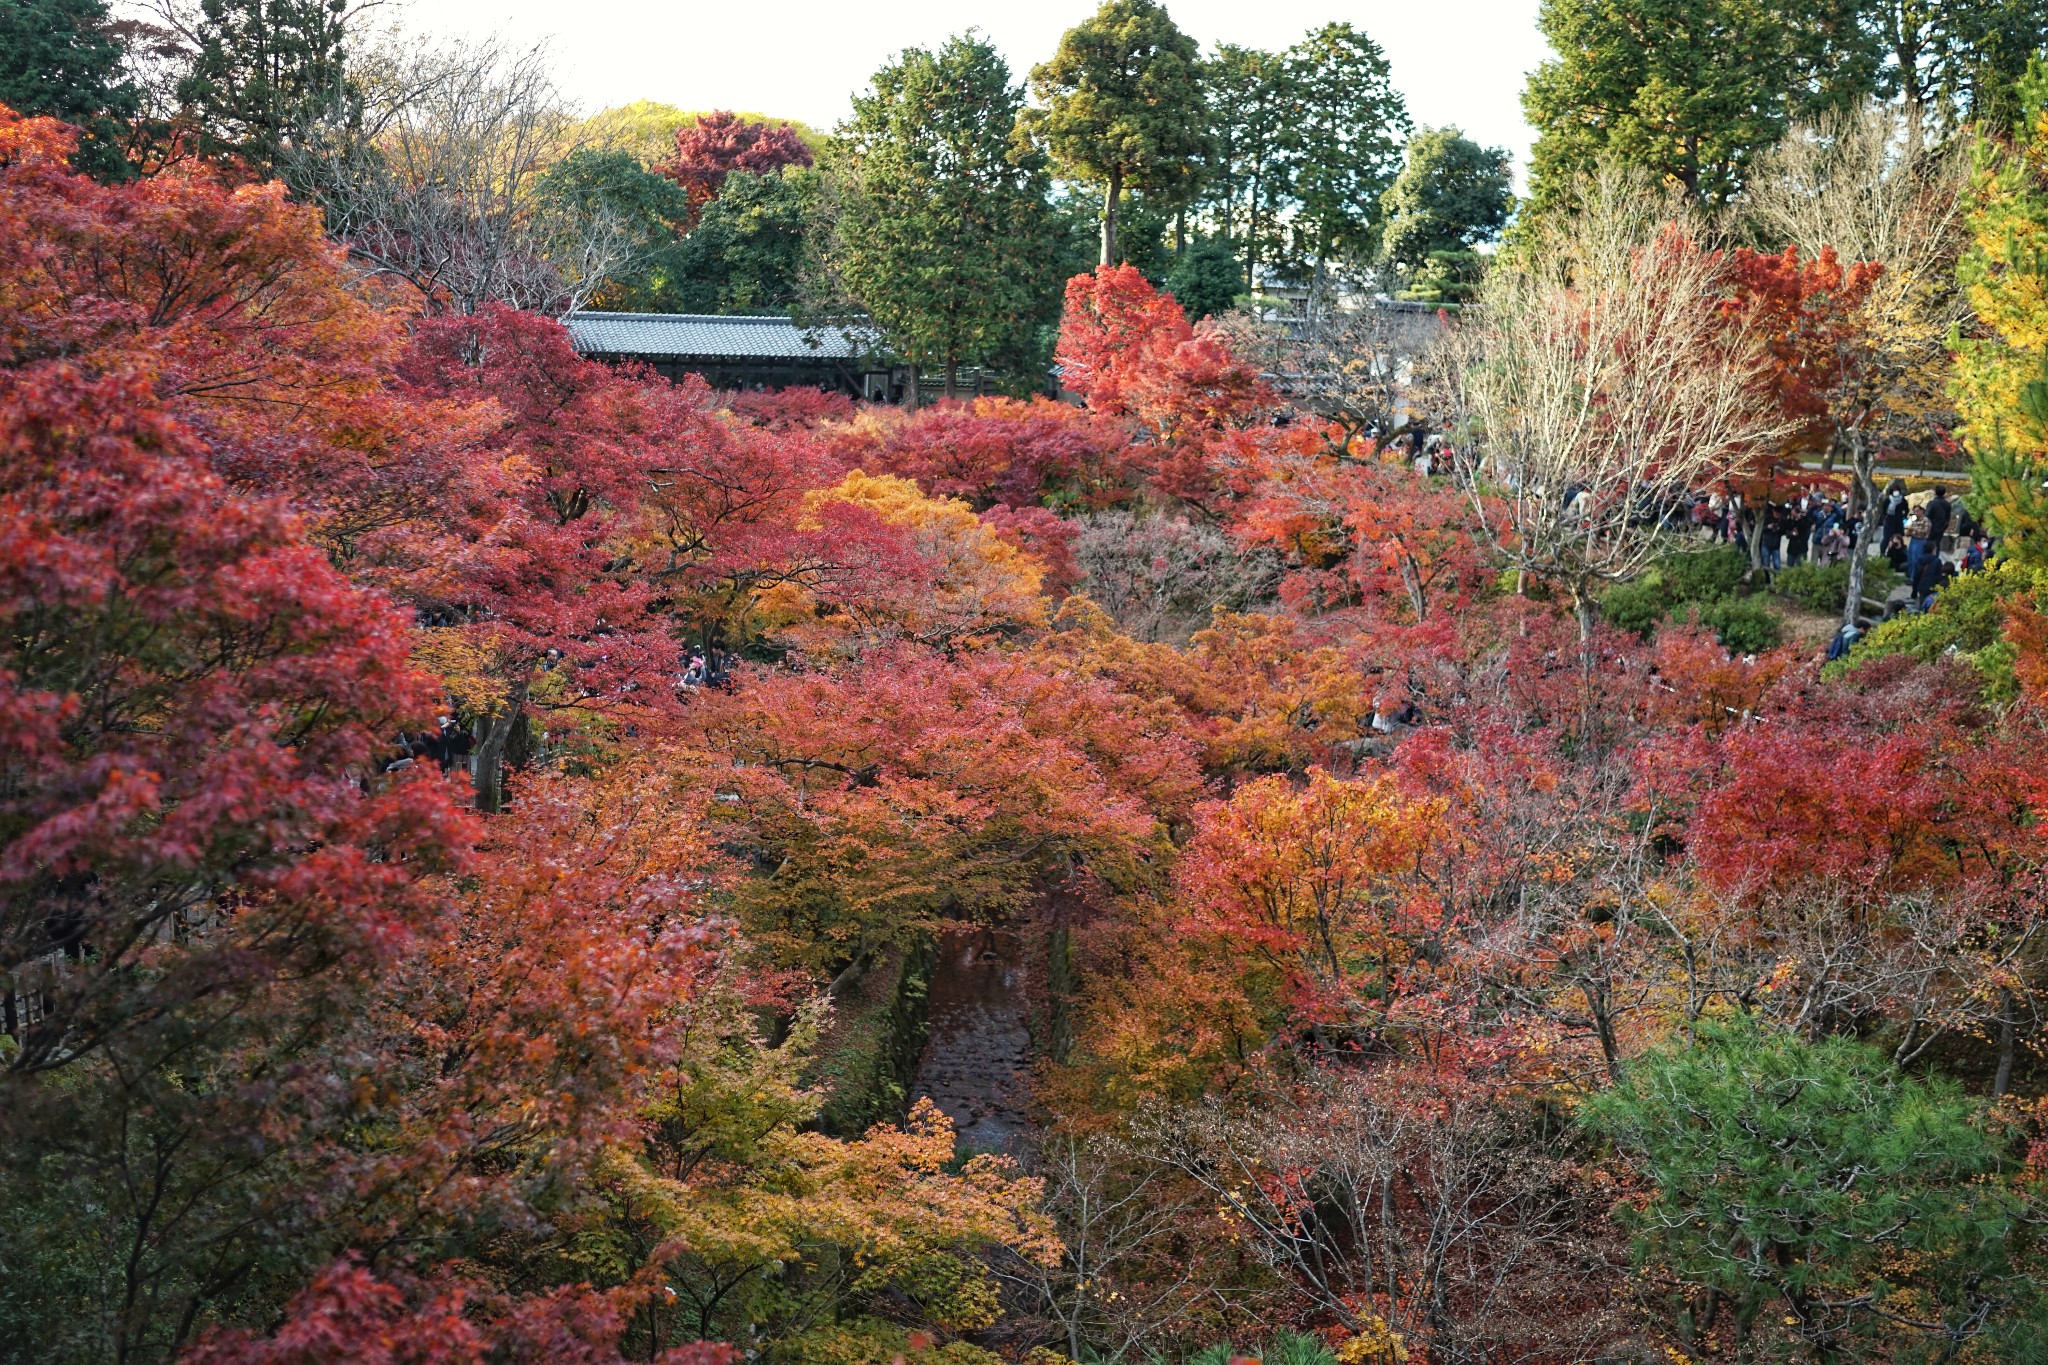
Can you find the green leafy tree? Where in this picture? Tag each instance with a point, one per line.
(2001, 378)
(1122, 108)
(1204, 280)
(1249, 180)
(59, 59)
(1958, 60)
(1816, 1176)
(754, 250)
(266, 72)
(1452, 195)
(944, 235)
(651, 211)
(1688, 89)
(1349, 126)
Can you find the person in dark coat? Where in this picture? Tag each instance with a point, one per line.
(1798, 532)
(1894, 506)
(1927, 574)
(1939, 512)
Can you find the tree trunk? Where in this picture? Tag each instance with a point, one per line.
(1251, 240)
(1599, 1008)
(1584, 608)
(489, 770)
(1180, 232)
(910, 390)
(1863, 491)
(952, 374)
(2003, 1081)
(1110, 198)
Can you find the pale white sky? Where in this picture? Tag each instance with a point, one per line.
(1456, 61)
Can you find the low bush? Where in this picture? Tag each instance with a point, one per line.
(1822, 589)
(1675, 581)
(1703, 575)
(1743, 625)
(1968, 621)
(1636, 606)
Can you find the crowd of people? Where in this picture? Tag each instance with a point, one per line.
(445, 746)
(1925, 541)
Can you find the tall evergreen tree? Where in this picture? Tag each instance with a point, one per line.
(1956, 61)
(265, 72)
(944, 234)
(1349, 127)
(1687, 89)
(1452, 195)
(1250, 178)
(59, 59)
(1123, 108)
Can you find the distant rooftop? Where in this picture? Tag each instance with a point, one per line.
(706, 336)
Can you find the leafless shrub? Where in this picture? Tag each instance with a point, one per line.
(1131, 1277)
(1350, 362)
(435, 181)
(1426, 1207)
(1161, 578)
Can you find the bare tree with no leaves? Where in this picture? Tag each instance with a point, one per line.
(1124, 1282)
(436, 182)
(1866, 183)
(1350, 365)
(1597, 376)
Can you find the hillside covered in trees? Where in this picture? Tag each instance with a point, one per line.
(1507, 830)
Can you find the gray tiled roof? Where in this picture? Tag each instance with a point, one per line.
(703, 336)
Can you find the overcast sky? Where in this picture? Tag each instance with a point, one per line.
(1456, 61)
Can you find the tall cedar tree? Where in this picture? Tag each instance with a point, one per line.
(1687, 89)
(1251, 98)
(265, 72)
(1350, 124)
(58, 59)
(1122, 108)
(944, 234)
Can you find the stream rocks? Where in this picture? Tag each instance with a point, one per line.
(977, 1056)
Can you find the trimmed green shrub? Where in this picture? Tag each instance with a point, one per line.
(1697, 576)
(1741, 624)
(1703, 575)
(1636, 606)
(1822, 589)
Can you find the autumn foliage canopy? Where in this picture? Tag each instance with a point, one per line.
(476, 824)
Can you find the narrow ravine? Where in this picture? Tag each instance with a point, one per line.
(976, 1064)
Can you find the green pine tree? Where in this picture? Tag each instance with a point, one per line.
(944, 235)
(1812, 1186)
(1122, 109)
(1452, 195)
(58, 59)
(267, 71)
